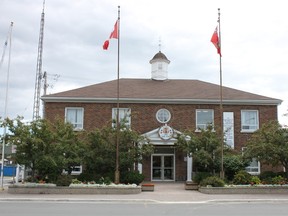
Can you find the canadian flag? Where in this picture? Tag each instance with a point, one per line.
(215, 40)
(114, 34)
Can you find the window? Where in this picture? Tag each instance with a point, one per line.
(254, 167)
(163, 115)
(204, 117)
(75, 117)
(76, 170)
(249, 120)
(124, 116)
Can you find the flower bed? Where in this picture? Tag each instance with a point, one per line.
(246, 189)
(32, 188)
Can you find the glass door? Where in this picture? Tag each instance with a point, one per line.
(163, 167)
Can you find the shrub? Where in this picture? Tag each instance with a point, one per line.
(242, 177)
(278, 180)
(214, 181)
(200, 176)
(255, 180)
(104, 180)
(266, 177)
(76, 181)
(133, 178)
(64, 180)
(233, 164)
(87, 176)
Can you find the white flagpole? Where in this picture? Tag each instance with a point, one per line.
(117, 173)
(221, 101)
(5, 109)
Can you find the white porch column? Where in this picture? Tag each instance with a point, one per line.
(189, 168)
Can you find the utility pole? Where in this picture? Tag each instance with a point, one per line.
(44, 90)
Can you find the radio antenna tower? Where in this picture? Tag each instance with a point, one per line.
(39, 76)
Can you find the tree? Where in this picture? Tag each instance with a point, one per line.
(44, 148)
(234, 162)
(100, 159)
(205, 148)
(269, 145)
(69, 146)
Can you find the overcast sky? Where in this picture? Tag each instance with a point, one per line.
(254, 45)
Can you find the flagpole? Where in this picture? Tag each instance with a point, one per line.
(5, 108)
(117, 173)
(221, 101)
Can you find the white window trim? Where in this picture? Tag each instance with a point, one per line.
(73, 171)
(128, 124)
(205, 126)
(163, 122)
(252, 167)
(82, 120)
(253, 172)
(249, 130)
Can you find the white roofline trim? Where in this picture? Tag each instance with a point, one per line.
(167, 101)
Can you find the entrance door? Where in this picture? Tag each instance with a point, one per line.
(163, 167)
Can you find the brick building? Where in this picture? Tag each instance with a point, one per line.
(159, 108)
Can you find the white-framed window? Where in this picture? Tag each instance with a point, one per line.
(124, 116)
(249, 120)
(204, 117)
(254, 167)
(76, 170)
(163, 116)
(75, 115)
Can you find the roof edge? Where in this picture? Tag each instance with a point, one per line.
(167, 101)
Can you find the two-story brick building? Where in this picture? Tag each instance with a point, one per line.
(159, 108)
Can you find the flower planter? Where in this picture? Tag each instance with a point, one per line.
(259, 189)
(147, 187)
(191, 186)
(80, 189)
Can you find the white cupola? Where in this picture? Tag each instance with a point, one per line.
(159, 67)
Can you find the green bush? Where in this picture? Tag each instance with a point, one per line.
(214, 181)
(104, 180)
(199, 176)
(76, 181)
(64, 180)
(87, 176)
(242, 177)
(133, 178)
(233, 163)
(278, 180)
(255, 180)
(266, 177)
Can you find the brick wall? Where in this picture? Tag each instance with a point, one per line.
(143, 116)
(143, 119)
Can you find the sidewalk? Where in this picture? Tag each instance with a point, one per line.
(163, 193)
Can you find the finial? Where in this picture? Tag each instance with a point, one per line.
(159, 44)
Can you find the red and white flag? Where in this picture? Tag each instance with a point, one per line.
(216, 41)
(114, 34)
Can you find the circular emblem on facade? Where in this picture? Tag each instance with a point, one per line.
(166, 132)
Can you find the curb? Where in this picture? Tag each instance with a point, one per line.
(142, 200)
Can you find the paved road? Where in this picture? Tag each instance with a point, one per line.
(44, 208)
